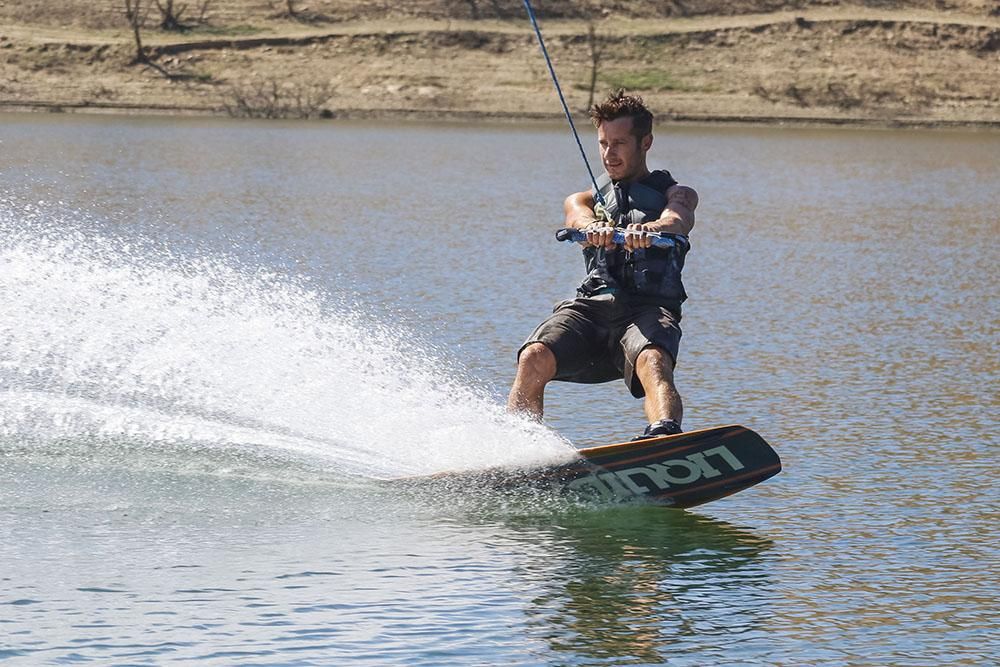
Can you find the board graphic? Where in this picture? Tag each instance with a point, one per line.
(680, 471)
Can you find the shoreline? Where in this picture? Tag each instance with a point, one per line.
(475, 116)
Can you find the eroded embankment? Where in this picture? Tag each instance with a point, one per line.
(820, 67)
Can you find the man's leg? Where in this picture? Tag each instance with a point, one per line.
(655, 370)
(536, 366)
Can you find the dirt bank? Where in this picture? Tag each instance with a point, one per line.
(920, 63)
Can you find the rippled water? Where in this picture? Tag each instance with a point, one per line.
(217, 337)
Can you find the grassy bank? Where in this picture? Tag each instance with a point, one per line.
(806, 62)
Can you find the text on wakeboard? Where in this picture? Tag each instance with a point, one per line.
(628, 482)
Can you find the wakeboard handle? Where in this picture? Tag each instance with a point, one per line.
(660, 239)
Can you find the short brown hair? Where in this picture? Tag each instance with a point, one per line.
(621, 105)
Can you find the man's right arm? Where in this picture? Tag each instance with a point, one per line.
(579, 210)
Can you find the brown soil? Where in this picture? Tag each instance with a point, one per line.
(919, 63)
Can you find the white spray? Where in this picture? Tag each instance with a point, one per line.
(104, 340)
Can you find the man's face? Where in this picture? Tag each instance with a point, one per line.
(622, 153)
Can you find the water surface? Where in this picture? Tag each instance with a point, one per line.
(217, 337)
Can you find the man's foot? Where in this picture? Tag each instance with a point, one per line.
(660, 428)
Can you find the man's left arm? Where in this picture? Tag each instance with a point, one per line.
(677, 217)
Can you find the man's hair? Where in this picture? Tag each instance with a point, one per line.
(621, 105)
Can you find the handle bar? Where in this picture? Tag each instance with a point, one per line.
(660, 239)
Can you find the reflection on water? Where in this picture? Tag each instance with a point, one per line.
(634, 583)
(843, 303)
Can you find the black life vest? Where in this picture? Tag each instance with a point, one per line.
(651, 273)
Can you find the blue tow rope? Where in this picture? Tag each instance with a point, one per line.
(569, 117)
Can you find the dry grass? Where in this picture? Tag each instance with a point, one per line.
(104, 14)
(839, 62)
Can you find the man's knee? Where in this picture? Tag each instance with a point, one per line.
(537, 362)
(655, 365)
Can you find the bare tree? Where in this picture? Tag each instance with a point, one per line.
(136, 19)
(203, 10)
(136, 14)
(596, 51)
(170, 18)
(271, 99)
(171, 13)
(290, 11)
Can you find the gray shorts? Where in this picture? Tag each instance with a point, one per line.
(598, 338)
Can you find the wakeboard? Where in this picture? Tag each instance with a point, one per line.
(679, 471)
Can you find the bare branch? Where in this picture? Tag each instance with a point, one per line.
(202, 10)
(170, 18)
(269, 99)
(136, 18)
(596, 51)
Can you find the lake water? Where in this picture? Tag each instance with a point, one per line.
(216, 338)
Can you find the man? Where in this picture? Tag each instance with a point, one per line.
(625, 320)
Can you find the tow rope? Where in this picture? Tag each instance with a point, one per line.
(569, 116)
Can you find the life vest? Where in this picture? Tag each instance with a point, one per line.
(652, 273)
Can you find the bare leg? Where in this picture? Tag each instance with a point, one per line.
(535, 368)
(655, 370)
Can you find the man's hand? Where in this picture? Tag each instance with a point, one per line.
(600, 234)
(638, 238)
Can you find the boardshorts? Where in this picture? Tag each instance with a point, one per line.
(598, 338)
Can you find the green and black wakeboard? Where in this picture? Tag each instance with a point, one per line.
(679, 471)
